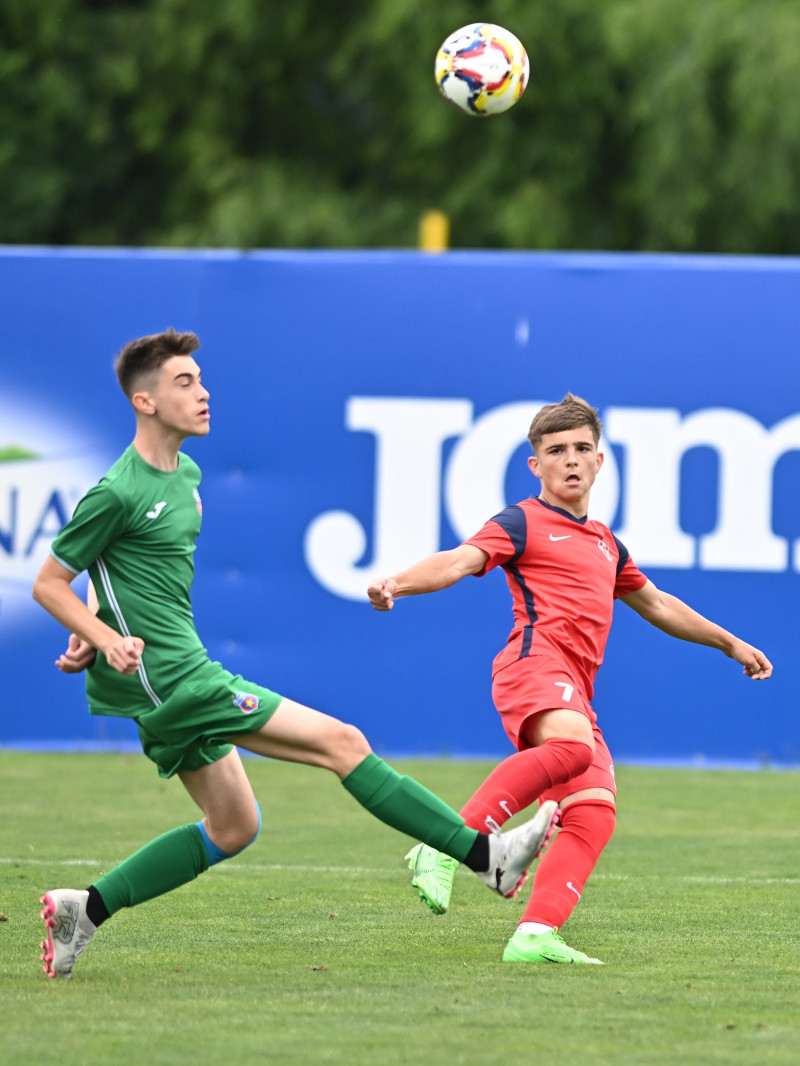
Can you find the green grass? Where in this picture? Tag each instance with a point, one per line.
(311, 948)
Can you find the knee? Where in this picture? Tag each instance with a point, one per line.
(346, 748)
(230, 840)
(246, 833)
(573, 757)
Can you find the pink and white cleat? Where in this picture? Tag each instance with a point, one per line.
(67, 927)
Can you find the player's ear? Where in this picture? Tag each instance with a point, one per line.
(533, 465)
(600, 459)
(143, 403)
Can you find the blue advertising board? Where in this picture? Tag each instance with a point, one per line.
(369, 408)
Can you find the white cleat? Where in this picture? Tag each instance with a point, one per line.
(511, 853)
(68, 929)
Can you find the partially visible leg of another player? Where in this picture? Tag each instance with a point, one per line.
(566, 754)
(232, 820)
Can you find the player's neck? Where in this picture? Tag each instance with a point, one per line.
(578, 508)
(158, 447)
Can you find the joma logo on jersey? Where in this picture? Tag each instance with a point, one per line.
(415, 484)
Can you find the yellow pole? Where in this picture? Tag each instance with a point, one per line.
(434, 232)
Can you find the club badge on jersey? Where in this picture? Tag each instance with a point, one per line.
(246, 702)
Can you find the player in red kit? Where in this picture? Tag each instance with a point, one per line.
(564, 571)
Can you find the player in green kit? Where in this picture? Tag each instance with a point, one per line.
(136, 639)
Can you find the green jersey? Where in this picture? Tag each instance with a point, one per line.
(135, 533)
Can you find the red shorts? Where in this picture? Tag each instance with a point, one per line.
(541, 683)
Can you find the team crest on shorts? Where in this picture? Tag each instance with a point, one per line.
(246, 701)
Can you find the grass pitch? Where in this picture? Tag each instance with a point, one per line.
(311, 948)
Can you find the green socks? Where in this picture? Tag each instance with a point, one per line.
(165, 863)
(179, 856)
(404, 804)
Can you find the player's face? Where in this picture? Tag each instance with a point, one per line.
(180, 400)
(566, 463)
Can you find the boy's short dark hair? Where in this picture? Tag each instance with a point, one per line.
(147, 354)
(571, 413)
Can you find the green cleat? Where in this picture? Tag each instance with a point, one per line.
(433, 876)
(510, 855)
(543, 947)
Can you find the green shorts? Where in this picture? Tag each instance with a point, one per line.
(195, 725)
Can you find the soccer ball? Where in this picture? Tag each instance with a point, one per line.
(483, 69)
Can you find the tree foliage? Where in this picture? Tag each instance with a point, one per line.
(647, 124)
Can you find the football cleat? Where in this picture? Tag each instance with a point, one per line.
(543, 947)
(511, 853)
(432, 876)
(68, 930)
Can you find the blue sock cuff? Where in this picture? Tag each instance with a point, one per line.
(255, 835)
(258, 812)
(215, 854)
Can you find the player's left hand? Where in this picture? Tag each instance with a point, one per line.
(79, 656)
(756, 665)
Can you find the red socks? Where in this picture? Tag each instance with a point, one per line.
(521, 778)
(586, 825)
(586, 828)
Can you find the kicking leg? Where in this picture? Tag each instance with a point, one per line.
(296, 733)
(299, 734)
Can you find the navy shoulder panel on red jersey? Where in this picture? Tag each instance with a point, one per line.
(624, 554)
(513, 520)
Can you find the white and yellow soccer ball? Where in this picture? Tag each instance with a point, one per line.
(482, 68)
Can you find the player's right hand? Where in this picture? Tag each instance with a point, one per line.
(125, 654)
(381, 593)
(80, 655)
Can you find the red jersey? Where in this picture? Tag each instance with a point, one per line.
(564, 574)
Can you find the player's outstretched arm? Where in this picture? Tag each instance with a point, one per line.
(675, 617)
(435, 572)
(52, 589)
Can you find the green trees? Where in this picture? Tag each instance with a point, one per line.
(710, 123)
(647, 124)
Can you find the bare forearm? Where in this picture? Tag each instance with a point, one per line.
(53, 590)
(436, 572)
(59, 600)
(676, 618)
(673, 616)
